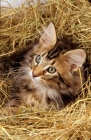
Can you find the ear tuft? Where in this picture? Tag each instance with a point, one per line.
(49, 36)
(76, 58)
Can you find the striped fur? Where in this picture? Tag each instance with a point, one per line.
(48, 73)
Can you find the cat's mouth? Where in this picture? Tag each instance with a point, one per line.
(37, 79)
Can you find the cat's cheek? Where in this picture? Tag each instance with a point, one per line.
(30, 73)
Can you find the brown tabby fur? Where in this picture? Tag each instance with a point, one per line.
(34, 81)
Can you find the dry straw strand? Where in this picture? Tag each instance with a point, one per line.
(18, 28)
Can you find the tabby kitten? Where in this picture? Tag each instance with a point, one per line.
(47, 74)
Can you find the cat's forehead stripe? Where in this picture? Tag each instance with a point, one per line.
(54, 52)
(43, 54)
(52, 62)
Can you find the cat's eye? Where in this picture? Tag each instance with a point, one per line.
(51, 70)
(38, 59)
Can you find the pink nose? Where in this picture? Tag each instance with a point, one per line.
(34, 74)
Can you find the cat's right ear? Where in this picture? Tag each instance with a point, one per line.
(75, 58)
(49, 36)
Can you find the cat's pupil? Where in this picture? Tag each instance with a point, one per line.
(51, 70)
(38, 58)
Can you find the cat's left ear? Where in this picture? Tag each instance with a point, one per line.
(75, 58)
(49, 36)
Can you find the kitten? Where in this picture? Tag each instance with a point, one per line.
(47, 73)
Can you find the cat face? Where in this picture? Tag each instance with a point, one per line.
(50, 66)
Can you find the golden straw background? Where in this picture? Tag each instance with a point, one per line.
(19, 27)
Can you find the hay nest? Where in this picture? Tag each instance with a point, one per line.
(19, 27)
